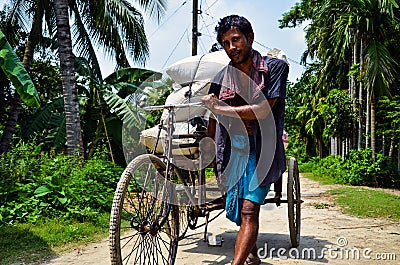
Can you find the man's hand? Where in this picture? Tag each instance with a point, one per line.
(210, 100)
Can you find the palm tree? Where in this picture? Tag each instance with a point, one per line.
(373, 20)
(116, 25)
(331, 39)
(70, 93)
(107, 21)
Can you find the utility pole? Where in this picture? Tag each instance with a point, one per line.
(195, 33)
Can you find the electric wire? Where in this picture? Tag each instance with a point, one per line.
(165, 21)
(211, 5)
(293, 61)
(173, 50)
(188, 37)
(213, 19)
(202, 45)
(204, 23)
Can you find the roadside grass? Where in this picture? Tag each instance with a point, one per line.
(367, 203)
(360, 201)
(34, 243)
(323, 179)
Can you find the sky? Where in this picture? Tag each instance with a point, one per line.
(170, 39)
(166, 49)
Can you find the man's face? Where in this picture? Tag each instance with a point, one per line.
(236, 45)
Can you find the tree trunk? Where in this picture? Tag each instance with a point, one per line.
(320, 149)
(368, 119)
(11, 123)
(310, 146)
(105, 127)
(373, 140)
(360, 101)
(70, 93)
(16, 102)
(354, 94)
(398, 157)
(391, 148)
(333, 149)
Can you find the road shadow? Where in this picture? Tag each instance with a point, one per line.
(21, 246)
(272, 247)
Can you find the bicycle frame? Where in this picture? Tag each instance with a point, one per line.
(169, 160)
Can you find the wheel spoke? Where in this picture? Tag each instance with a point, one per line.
(137, 240)
(126, 237)
(158, 248)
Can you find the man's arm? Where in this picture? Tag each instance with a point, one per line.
(246, 112)
(211, 127)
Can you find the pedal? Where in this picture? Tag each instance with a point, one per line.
(215, 241)
(217, 204)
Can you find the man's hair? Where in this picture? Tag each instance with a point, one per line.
(228, 22)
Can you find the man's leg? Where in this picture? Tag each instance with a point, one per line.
(248, 232)
(278, 188)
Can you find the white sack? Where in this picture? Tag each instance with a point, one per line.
(276, 53)
(198, 68)
(199, 89)
(148, 138)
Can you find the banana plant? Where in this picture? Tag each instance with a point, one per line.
(106, 104)
(111, 103)
(16, 73)
(48, 124)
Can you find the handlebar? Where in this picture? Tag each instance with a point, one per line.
(174, 106)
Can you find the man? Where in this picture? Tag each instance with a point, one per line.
(242, 97)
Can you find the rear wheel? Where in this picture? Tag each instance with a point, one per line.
(144, 218)
(294, 202)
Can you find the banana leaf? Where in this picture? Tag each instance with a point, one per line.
(16, 73)
(132, 75)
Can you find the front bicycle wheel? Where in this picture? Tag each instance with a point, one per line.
(144, 218)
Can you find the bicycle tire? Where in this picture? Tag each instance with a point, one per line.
(151, 232)
(294, 202)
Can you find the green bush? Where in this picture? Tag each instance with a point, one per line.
(360, 169)
(357, 168)
(331, 166)
(309, 166)
(38, 185)
(91, 189)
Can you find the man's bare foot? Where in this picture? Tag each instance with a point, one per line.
(252, 260)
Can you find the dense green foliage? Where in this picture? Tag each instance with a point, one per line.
(357, 168)
(389, 119)
(313, 116)
(37, 185)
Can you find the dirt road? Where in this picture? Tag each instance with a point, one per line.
(327, 236)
